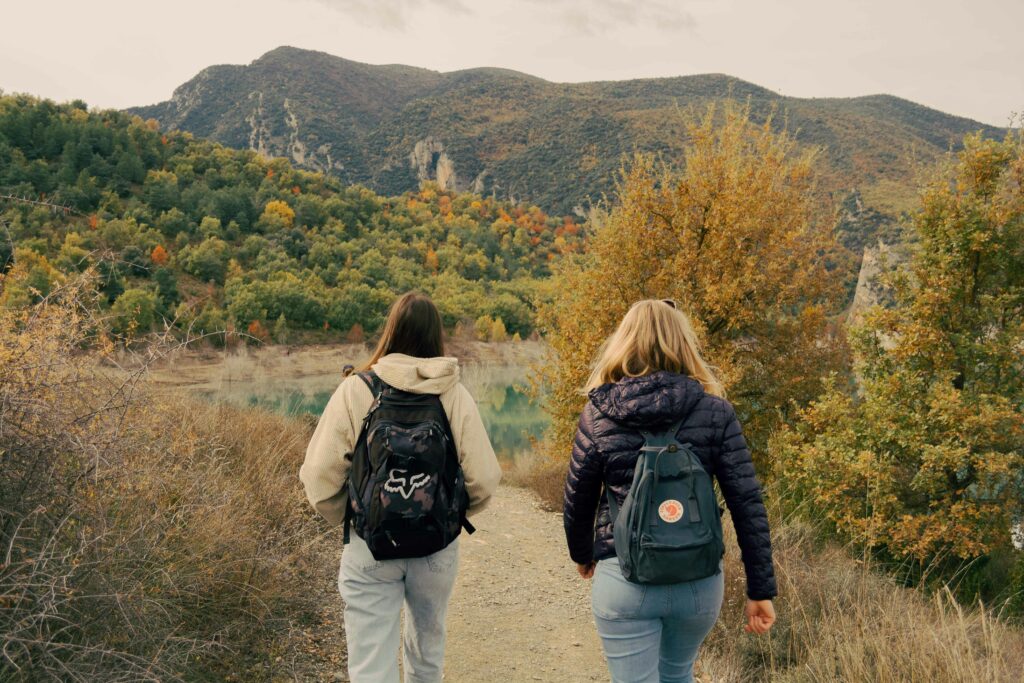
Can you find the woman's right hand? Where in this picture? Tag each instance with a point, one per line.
(760, 616)
(586, 570)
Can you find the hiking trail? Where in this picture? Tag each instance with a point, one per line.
(520, 612)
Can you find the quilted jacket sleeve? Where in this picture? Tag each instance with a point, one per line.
(583, 486)
(734, 470)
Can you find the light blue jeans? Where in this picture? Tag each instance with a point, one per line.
(374, 592)
(651, 634)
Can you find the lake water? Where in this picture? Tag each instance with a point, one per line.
(511, 418)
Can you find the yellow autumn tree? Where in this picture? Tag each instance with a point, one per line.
(926, 459)
(483, 326)
(277, 215)
(30, 279)
(498, 331)
(431, 261)
(737, 239)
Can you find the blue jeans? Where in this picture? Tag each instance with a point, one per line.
(374, 592)
(651, 634)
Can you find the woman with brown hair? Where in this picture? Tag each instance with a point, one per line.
(409, 364)
(649, 379)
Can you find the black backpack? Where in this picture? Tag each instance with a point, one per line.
(407, 491)
(669, 528)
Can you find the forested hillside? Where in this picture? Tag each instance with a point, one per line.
(511, 135)
(217, 238)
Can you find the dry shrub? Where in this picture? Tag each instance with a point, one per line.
(142, 537)
(841, 620)
(543, 475)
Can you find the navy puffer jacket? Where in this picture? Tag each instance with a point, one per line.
(605, 451)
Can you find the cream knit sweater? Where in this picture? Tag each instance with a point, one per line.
(324, 472)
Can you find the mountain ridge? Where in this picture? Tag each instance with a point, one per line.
(513, 135)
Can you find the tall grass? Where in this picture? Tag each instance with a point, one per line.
(142, 536)
(842, 620)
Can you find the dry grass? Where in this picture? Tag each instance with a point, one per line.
(841, 620)
(141, 537)
(544, 476)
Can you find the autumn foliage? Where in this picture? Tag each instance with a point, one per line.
(258, 331)
(279, 212)
(735, 237)
(159, 255)
(926, 459)
(355, 335)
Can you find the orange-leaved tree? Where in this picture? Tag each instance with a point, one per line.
(926, 459)
(159, 255)
(737, 238)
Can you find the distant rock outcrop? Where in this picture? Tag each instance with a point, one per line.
(871, 290)
(430, 162)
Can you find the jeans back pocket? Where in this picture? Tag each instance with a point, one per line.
(612, 596)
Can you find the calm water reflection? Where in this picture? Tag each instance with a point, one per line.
(512, 420)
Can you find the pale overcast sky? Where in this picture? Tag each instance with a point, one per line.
(963, 57)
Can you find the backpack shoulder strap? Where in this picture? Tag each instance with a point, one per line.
(376, 386)
(375, 383)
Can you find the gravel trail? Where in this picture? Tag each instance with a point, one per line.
(520, 612)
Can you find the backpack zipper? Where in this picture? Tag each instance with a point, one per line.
(431, 424)
(703, 540)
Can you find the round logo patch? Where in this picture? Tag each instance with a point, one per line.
(671, 511)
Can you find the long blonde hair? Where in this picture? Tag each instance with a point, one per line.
(654, 335)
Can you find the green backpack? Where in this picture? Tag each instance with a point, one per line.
(669, 528)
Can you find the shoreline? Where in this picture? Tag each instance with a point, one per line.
(212, 367)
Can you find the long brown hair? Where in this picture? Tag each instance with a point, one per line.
(413, 327)
(654, 335)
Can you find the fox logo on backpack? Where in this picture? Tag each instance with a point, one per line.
(407, 491)
(669, 528)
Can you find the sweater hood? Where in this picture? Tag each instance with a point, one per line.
(658, 398)
(418, 375)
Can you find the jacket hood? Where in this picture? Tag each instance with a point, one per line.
(418, 375)
(658, 398)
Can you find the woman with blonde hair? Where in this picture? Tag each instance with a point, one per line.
(400, 455)
(652, 393)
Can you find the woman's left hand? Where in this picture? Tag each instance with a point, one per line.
(760, 616)
(586, 570)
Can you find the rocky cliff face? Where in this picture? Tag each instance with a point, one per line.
(429, 161)
(269, 126)
(878, 260)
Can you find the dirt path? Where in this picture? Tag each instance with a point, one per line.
(520, 612)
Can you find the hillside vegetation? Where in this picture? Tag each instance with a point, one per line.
(215, 238)
(554, 144)
(843, 619)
